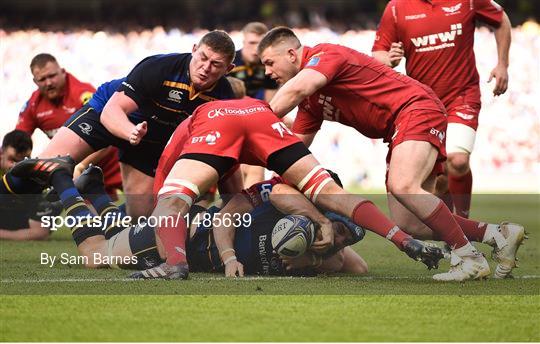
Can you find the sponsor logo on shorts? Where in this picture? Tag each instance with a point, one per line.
(210, 138)
(281, 128)
(439, 134)
(464, 116)
(175, 96)
(440, 40)
(85, 128)
(235, 112)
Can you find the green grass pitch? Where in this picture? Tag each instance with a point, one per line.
(396, 301)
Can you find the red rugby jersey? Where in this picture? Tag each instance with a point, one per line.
(438, 39)
(40, 113)
(361, 93)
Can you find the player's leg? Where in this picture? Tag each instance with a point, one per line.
(188, 179)
(410, 165)
(67, 142)
(312, 180)
(252, 174)
(460, 138)
(138, 191)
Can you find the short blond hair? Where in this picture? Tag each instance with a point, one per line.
(257, 28)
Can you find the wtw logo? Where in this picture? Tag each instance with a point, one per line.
(439, 40)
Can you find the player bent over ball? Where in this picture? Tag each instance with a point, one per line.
(222, 134)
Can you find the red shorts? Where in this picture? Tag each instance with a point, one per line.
(421, 125)
(249, 133)
(465, 108)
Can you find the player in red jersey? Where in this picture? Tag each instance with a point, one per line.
(206, 148)
(58, 96)
(331, 82)
(437, 38)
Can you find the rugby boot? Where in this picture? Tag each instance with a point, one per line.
(91, 176)
(469, 267)
(163, 271)
(505, 244)
(427, 253)
(41, 170)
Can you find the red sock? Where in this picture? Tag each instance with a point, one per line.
(474, 230)
(174, 240)
(367, 215)
(447, 199)
(442, 222)
(461, 188)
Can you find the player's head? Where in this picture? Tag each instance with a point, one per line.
(238, 86)
(49, 77)
(253, 33)
(16, 146)
(280, 53)
(346, 232)
(212, 59)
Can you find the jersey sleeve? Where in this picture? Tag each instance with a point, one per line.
(387, 31)
(142, 81)
(489, 12)
(327, 62)
(26, 121)
(305, 122)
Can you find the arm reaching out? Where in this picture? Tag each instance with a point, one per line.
(115, 118)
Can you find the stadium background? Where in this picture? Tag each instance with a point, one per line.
(99, 40)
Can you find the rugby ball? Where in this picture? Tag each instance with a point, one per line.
(293, 235)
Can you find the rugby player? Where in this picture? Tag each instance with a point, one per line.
(331, 82)
(437, 38)
(249, 69)
(138, 114)
(58, 96)
(208, 147)
(448, 66)
(20, 215)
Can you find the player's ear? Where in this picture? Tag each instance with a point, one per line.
(291, 53)
(231, 66)
(194, 48)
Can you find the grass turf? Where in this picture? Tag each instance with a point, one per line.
(397, 301)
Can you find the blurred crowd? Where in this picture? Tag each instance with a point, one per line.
(508, 141)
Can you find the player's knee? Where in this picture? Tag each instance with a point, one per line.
(458, 163)
(178, 192)
(401, 186)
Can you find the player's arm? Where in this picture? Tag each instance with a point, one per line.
(500, 72)
(26, 121)
(304, 84)
(353, 263)
(224, 235)
(392, 57)
(34, 232)
(115, 118)
(93, 159)
(289, 200)
(334, 263)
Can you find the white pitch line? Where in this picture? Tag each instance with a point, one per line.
(249, 278)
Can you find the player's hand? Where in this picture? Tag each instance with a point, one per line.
(79, 169)
(396, 53)
(500, 73)
(138, 133)
(325, 238)
(234, 269)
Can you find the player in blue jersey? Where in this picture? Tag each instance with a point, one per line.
(139, 113)
(136, 247)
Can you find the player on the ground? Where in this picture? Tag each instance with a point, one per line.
(331, 82)
(20, 215)
(437, 39)
(249, 69)
(140, 114)
(112, 242)
(58, 96)
(208, 146)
